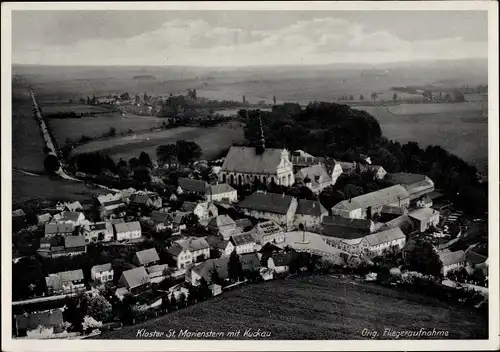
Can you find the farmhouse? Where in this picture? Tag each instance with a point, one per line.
(65, 282)
(146, 257)
(52, 230)
(161, 220)
(74, 245)
(73, 207)
(189, 185)
(109, 203)
(452, 260)
(268, 232)
(70, 217)
(247, 165)
(271, 206)
(188, 251)
(39, 324)
(224, 225)
(203, 210)
(221, 192)
(425, 218)
(102, 273)
(98, 232)
(204, 270)
(128, 231)
(416, 185)
(309, 214)
(135, 280)
(369, 204)
(224, 247)
(315, 177)
(61, 246)
(243, 243)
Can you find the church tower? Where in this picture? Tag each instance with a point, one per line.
(261, 146)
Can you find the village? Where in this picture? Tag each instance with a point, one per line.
(132, 254)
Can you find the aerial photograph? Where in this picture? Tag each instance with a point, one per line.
(249, 175)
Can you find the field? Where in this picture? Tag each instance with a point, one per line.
(316, 308)
(437, 108)
(211, 140)
(99, 125)
(78, 109)
(460, 132)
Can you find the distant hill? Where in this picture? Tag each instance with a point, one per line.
(145, 77)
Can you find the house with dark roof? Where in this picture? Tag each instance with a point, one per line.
(161, 220)
(221, 192)
(270, 206)
(404, 222)
(358, 168)
(62, 246)
(127, 231)
(140, 201)
(135, 280)
(315, 177)
(309, 215)
(203, 210)
(247, 165)
(74, 207)
(250, 262)
(345, 228)
(52, 230)
(244, 224)
(188, 251)
(452, 260)
(65, 282)
(38, 325)
(243, 243)
(102, 273)
(98, 232)
(189, 185)
(146, 257)
(75, 245)
(205, 269)
(367, 205)
(416, 185)
(218, 244)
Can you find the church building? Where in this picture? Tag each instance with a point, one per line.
(246, 165)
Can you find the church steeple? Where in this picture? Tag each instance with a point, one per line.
(261, 146)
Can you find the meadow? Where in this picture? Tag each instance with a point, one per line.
(76, 108)
(317, 307)
(212, 141)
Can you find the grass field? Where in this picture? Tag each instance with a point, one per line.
(67, 108)
(438, 108)
(459, 132)
(100, 124)
(318, 307)
(211, 140)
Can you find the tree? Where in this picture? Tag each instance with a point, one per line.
(89, 324)
(88, 100)
(145, 160)
(215, 277)
(146, 97)
(121, 164)
(133, 163)
(100, 236)
(51, 164)
(395, 96)
(190, 220)
(98, 307)
(141, 175)
(187, 151)
(458, 95)
(137, 99)
(165, 153)
(374, 96)
(112, 131)
(234, 267)
(424, 259)
(351, 97)
(274, 99)
(361, 97)
(173, 302)
(124, 96)
(73, 313)
(204, 291)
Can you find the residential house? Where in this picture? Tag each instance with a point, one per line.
(205, 269)
(99, 232)
(279, 263)
(215, 289)
(156, 272)
(268, 232)
(189, 185)
(221, 192)
(128, 231)
(39, 325)
(247, 165)
(146, 257)
(404, 222)
(135, 280)
(271, 206)
(140, 201)
(177, 225)
(44, 218)
(250, 262)
(70, 217)
(74, 207)
(355, 167)
(309, 215)
(416, 185)
(52, 230)
(161, 221)
(74, 245)
(452, 260)
(224, 225)
(189, 251)
(61, 246)
(425, 218)
(65, 282)
(367, 205)
(390, 212)
(339, 227)
(102, 273)
(315, 177)
(203, 210)
(244, 224)
(224, 247)
(109, 204)
(243, 243)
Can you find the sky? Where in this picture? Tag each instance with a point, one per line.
(245, 38)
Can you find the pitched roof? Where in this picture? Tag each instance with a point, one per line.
(222, 221)
(147, 256)
(267, 202)
(405, 178)
(194, 244)
(220, 189)
(44, 217)
(310, 207)
(213, 240)
(317, 174)
(422, 214)
(243, 223)
(71, 215)
(219, 264)
(128, 226)
(175, 249)
(250, 261)
(156, 268)
(391, 209)
(475, 258)
(56, 280)
(246, 160)
(389, 235)
(74, 241)
(59, 228)
(74, 206)
(402, 221)
(282, 259)
(136, 277)
(191, 185)
(242, 239)
(378, 198)
(189, 206)
(101, 268)
(139, 198)
(450, 258)
(99, 226)
(160, 217)
(106, 198)
(52, 318)
(340, 221)
(18, 212)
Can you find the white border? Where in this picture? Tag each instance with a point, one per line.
(8, 344)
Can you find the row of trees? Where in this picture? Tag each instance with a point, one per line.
(183, 152)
